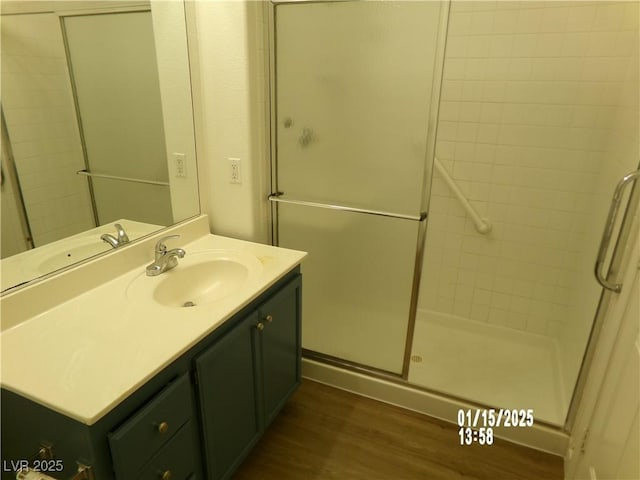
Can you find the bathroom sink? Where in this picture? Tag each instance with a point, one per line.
(200, 278)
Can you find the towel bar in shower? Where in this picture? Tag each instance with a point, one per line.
(608, 231)
(277, 197)
(124, 179)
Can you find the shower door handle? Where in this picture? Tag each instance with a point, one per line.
(608, 231)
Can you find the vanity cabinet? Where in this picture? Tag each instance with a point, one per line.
(197, 418)
(245, 378)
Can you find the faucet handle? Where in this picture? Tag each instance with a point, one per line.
(160, 246)
(122, 235)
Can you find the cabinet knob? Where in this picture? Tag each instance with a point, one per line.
(163, 427)
(166, 475)
(269, 318)
(260, 326)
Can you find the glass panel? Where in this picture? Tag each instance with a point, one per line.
(134, 201)
(357, 282)
(113, 63)
(353, 88)
(536, 127)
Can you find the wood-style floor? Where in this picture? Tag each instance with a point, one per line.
(326, 433)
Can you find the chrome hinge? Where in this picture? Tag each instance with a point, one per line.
(583, 445)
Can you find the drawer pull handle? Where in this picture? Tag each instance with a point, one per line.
(269, 318)
(260, 326)
(166, 475)
(163, 427)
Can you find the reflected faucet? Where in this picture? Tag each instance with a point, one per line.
(164, 259)
(121, 238)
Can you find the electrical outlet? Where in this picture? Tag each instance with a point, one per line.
(181, 164)
(234, 171)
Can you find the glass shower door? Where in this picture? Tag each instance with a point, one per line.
(352, 89)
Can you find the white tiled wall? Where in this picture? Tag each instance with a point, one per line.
(40, 115)
(531, 91)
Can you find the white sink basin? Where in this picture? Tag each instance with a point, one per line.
(200, 278)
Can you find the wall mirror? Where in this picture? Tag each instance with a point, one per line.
(97, 129)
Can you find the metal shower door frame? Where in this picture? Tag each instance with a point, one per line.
(611, 276)
(275, 196)
(12, 176)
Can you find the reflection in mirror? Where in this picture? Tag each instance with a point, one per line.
(97, 129)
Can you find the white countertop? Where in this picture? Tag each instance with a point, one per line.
(86, 355)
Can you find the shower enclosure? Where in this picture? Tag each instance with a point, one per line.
(449, 168)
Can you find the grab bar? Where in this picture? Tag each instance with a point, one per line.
(482, 224)
(124, 179)
(608, 231)
(277, 197)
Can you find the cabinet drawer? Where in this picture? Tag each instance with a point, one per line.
(174, 461)
(140, 437)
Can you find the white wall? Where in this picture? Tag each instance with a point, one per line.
(231, 82)
(40, 115)
(529, 94)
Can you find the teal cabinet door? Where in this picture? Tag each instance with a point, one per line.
(245, 378)
(280, 348)
(227, 390)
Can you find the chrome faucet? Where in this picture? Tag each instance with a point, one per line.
(121, 238)
(164, 259)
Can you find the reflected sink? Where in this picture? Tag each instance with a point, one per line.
(68, 253)
(200, 278)
(61, 254)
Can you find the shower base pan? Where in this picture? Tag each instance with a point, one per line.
(488, 364)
